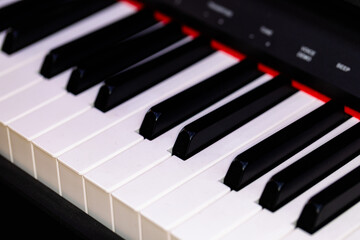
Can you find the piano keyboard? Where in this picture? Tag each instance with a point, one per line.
(159, 133)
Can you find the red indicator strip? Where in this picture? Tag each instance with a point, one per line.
(219, 46)
(352, 112)
(136, 4)
(268, 70)
(310, 91)
(189, 31)
(162, 17)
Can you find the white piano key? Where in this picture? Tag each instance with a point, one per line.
(76, 162)
(19, 104)
(159, 218)
(90, 94)
(156, 152)
(48, 147)
(169, 211)
(218, 218)
(38, 50)
(266, 227)
(280, 223)
(337, 229)
(23, 103)
(354, 235)
(52, 144)
(32, 125)
(16, 81)
(168, 175)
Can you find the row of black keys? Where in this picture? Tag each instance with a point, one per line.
(96, 62)
(307, 171)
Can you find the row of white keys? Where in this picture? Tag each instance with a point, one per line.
(159, 218)
(35, 99)
(42, 120)
(236, 207)
(51, 145)
(24, 102)
(175, 207)
(161, 179)
(37, 51)
(74, 163)
(132, 163)
(278, 224)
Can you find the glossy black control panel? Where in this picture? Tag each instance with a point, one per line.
(318, 48)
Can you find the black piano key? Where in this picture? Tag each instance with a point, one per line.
(272, 151)
(17, 11)
(70, 54)
(204, 131)
(330, 202)
(312, 168)
(62, 14)
(127, 84)
(174, 110)
(121, 56)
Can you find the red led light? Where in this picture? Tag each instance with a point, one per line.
(268, 70)
(219, 46)
(136, 4)
(352, 112)
(189, 31)
(162, 17)
(310, 91)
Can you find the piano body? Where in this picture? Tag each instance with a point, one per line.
(205, 119)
